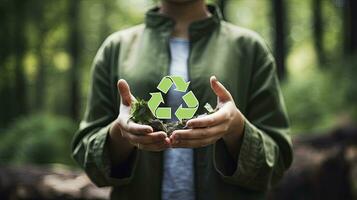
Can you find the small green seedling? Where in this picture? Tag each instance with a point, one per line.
(141, 114)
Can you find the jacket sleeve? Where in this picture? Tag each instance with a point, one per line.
(266, 150)
(89, 145)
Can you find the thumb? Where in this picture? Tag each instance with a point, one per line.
(221, 92)
(124, 91)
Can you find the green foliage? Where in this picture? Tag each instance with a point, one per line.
(321, 99)
(140, 113)
(39, 138)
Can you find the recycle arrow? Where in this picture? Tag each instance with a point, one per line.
(165, 112)
(153, 104)
(192, 103)
(166, 83)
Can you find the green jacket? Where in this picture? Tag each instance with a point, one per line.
(240, 60)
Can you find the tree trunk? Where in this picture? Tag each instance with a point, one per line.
(105, 15)
(40, 80)
(19, 51)
(318, 30)
(222, 6)
(278, 11)
(350, 26)
(41, 72)
(74, 43)
(5, 50)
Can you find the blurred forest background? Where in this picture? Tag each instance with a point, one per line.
(47, 48)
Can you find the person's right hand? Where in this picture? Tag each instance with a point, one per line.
(141, 136)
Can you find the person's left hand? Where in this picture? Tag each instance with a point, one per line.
(226, 122)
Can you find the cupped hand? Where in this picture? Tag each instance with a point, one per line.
(141, 136)
(227, 121)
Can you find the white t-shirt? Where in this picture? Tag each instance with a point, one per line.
(178, 175)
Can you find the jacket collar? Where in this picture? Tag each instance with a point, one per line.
(165, 24)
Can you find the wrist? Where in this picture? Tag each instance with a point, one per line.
(237, 130)
(114, 131)
(116, 136)
(233, 139)
(119, 146)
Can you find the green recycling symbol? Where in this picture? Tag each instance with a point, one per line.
(165, 112)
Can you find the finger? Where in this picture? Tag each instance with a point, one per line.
(160, 146)
(195, 143)
(208, 120)
(151, 138)
(199, 133)
(135, 128)
(221, 92)
(124, 91)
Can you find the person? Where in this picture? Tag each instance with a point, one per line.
(238, 152)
